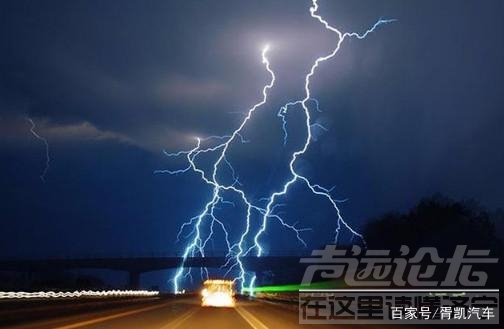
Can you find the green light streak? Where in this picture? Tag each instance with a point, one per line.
(296, 287)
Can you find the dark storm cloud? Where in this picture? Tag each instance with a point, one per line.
(414, 109)
(125, 67)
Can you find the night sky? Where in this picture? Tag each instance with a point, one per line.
(415, 109)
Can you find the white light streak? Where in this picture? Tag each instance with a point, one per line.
(75, 294)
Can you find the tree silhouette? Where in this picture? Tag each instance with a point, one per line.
(435, 222)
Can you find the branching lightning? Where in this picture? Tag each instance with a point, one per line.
(223, 178)
(295, 176)
(46, 144)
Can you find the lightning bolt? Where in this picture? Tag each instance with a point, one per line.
(223, 178)
(295, 176)
(46, 144)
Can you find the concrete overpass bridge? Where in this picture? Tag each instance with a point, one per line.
(135, 266)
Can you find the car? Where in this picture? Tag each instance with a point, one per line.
(218, 293)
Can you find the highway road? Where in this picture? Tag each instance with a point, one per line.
(183, 313)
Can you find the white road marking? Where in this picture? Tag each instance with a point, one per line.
(110, 317)
(179, 321)
(251, 320)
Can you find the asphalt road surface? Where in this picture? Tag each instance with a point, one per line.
(181, 313)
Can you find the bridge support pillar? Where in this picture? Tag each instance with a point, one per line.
(259, 278)
(134, 280)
